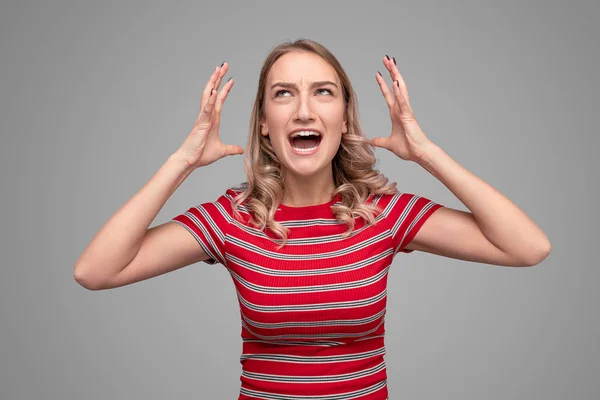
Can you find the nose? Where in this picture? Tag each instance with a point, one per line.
(304, 111)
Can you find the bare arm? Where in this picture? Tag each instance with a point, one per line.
(125, 250)
(120, 241)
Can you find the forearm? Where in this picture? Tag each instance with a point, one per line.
(502, 222)
(119, 240)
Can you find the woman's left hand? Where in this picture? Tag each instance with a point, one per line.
(407, 140)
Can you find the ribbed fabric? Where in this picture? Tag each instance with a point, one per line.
(313, 312)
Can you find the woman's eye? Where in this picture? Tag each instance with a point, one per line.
(326, 90)
(287, 91)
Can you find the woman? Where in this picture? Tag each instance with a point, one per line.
(309, 238)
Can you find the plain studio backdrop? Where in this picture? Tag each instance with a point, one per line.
(94, 96)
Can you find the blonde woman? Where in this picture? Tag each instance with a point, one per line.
(310, 237)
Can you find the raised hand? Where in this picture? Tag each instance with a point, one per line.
(407, 140)
(203, 145)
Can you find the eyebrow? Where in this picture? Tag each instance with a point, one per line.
(293, 85)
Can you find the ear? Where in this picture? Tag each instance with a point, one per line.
(263, 130)
(345, 127)
(263, 127)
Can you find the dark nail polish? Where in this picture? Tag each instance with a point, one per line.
(379, 73)
(386, 56)
(222, 63)
(397, 83)
(394, 58)
(229, 79)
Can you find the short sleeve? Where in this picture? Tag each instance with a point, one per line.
(209, 223)
(408, 214)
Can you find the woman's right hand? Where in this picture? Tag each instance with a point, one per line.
(203, 145)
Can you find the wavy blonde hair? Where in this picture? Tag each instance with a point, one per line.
(354, 177)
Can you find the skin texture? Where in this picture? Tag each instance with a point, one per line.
(495, 231)
(308, 178)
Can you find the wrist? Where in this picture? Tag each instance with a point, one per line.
(180, 162)
(426, 155)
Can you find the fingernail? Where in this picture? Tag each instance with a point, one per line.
(379, 73)
(394, 58)
(397, 83)
(222, 63)
(229, 79)
(386, 56)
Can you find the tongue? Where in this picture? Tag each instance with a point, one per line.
(304, 143)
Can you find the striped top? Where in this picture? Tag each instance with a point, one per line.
(312, 312)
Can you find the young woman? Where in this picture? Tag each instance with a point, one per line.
(310, 237)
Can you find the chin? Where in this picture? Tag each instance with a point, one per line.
(307, 168)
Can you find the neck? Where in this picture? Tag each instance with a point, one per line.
(308, 190)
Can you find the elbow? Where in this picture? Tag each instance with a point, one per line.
(539, 255)
(84, 279)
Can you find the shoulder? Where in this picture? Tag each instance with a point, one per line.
(387, 201)
(229, 203)
(234, 192)
(399, 204)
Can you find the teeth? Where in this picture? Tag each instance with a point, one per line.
(305, 133)
(305, 150)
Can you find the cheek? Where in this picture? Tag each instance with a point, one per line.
(333, 113)
(335, 122)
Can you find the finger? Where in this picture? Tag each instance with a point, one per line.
(209, 85)
(403, 105)
(387, 93)
(219, 76)
(231, 149)
(380, 142)
(220, 100)
(222, 71)
(207, 111)
(390, 64)
(222, 96)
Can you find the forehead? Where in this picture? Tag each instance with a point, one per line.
(301, 68)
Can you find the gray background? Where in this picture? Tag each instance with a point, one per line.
(94, 96)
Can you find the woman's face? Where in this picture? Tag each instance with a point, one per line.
(303, 92)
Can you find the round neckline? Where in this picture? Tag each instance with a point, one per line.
(311, 207)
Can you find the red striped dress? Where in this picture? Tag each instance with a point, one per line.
(312, 312)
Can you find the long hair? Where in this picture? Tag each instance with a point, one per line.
(354, 175)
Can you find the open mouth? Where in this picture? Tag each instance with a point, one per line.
(305, 142)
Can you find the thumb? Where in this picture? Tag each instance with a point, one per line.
(231, 150)
(380, 142)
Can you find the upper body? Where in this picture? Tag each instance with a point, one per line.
(312, 312)
(310, 238)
